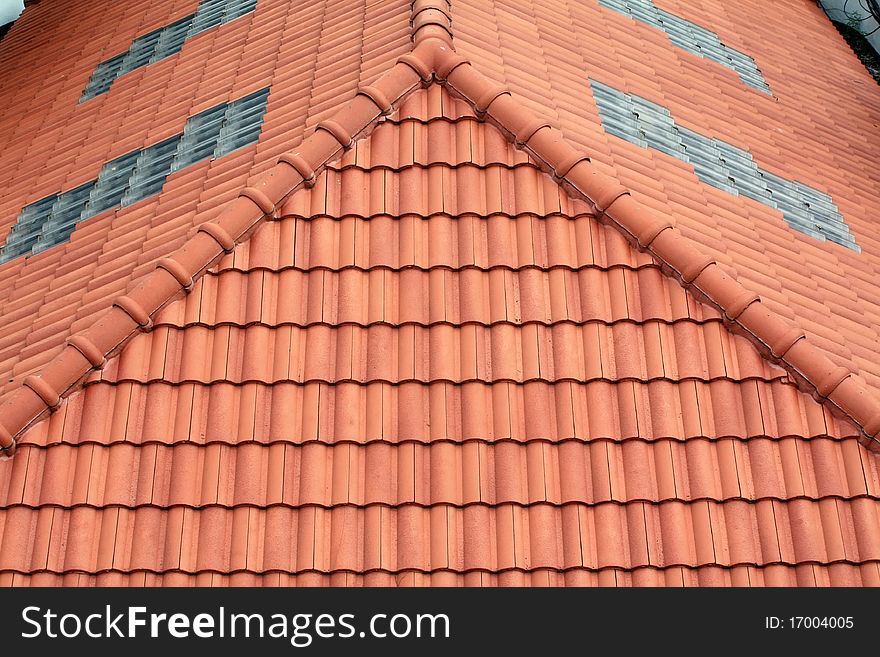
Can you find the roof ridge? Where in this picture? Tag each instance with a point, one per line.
(777, 340)
(132, 313)
(433, 59)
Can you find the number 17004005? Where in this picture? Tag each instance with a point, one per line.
(809, 622)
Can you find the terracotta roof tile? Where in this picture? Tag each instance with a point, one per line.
(421, 337)
(830, 155)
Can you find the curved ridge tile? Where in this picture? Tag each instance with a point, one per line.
(808, 365)
(238, 220)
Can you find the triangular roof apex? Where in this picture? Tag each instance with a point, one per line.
(433, 60)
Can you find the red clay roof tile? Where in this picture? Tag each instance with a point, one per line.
(417, 337)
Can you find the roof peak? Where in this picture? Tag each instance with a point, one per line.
(431, 19)
(433, 60)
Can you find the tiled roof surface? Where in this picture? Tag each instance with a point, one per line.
(819, 127)
(433, 365)
(52, 143)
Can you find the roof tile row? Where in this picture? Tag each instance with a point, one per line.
(838, 574)
(338, 351)
(428, 296)
(441, 472)
(629, 410)
(411, 537)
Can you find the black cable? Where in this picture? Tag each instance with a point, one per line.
(857, 42)
(873, 10)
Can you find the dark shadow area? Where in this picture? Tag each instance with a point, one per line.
(863, 50)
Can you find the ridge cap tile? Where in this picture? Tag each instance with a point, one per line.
(236, 221)
(680, 255)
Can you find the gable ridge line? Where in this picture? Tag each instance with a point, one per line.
(174, 275)
(779, 341)
(433, 60)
